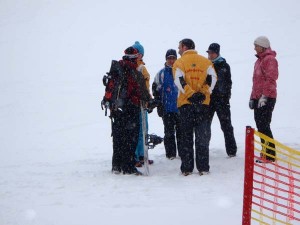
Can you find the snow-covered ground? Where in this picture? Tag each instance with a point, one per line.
(55, 144)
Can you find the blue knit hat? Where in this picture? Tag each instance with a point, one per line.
(139, 47)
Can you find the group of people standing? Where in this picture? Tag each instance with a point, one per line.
(190, 90)
(202, 86)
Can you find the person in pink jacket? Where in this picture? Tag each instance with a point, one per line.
(264, 91)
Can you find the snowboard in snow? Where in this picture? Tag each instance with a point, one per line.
(145, 145)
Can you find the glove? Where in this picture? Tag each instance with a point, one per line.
(251, 104)
(160, 110)
(197, 98)
(149, 110)
(262, 101)
(104, 103)
(153, 103)
(208, 79)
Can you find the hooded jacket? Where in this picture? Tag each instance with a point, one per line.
(265, 75)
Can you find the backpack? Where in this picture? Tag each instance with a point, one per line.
(119, 90)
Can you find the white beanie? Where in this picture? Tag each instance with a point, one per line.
(262, 41)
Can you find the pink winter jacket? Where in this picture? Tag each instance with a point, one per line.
(265, 75)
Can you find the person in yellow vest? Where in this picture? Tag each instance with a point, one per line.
(139, 153)
(195, 77)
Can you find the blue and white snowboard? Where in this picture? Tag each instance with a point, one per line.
(145, 145)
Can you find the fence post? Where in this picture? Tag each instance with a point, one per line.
(248, 178)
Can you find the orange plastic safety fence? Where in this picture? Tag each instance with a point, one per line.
(274, 181)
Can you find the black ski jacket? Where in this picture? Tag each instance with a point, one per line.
(224, 82)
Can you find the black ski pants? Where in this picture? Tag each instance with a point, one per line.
(125, 133)
(221, 106)
(172, 134)
(263, 118)
(194, 119)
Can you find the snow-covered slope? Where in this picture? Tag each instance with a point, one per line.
(55, 144)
